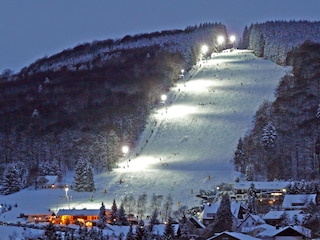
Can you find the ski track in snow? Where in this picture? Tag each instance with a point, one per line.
(189, 148)
(196, 132)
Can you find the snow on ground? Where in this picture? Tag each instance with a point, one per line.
(187, 145)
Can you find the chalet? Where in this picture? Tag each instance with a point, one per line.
(84, 216)
(209, 211)
(266, 191)
(291, 217)
(298, 201)
(232, 236)
(49, 181)
(250, 221)
(38, 217)
(289, 232)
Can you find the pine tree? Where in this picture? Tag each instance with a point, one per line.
(239, 159)
(11, 180)
(223, 218)
(269, 136)
(141, 233)
(102, 218)
(83, 177)
(123, 219)
(114, 219)
(252, 196)
(130, 235)
(50, 232)
(169, 231)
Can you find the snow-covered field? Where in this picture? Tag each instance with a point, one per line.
(187, 145)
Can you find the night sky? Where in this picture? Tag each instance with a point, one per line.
(30, 30)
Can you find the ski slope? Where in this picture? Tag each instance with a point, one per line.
(187, 145)
(189, 141)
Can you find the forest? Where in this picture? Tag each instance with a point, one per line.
(284, 141)
(85, 103)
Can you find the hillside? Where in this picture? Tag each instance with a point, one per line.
(283, 143)
(194, 139)
(273, 40)
(74, 104)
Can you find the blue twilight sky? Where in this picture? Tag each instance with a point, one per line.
(36, 28)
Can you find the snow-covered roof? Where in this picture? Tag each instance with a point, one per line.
(275, 232)
(196, 221)
(276, 215)
(51, 179)
(263, 227)
(261, 185)
(78, 212)
(236, 235)
(211, 209)
(298, 201)
(256, 219)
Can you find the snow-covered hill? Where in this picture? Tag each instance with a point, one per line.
(188, 143)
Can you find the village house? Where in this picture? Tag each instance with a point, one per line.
(250, 221)
(84, 216)
(289, 232)
(48, 181)
(289, 217)
(208, 214)
(39, 217)
(266, 191)
(298, 201)
(232, 236)
(255, 230)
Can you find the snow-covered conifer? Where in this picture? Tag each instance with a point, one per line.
(102, 218)
(318, 112)
(122, 216)
(13, 179)
(114, 217)
(83, 177)
(269, 136)
(40, 89)
(35, 113)
(223, 218)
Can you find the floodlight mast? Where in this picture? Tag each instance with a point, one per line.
(125, 150)
(232, 40)
(220, 40)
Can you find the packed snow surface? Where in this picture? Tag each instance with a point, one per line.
(188, 142)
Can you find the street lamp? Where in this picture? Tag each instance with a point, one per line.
(232, 40)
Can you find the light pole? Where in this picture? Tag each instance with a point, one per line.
(125, 150)
(182, 72)
(66, 189)
(163, 98)
(204, 50)
(232, 40)
(220, 40)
